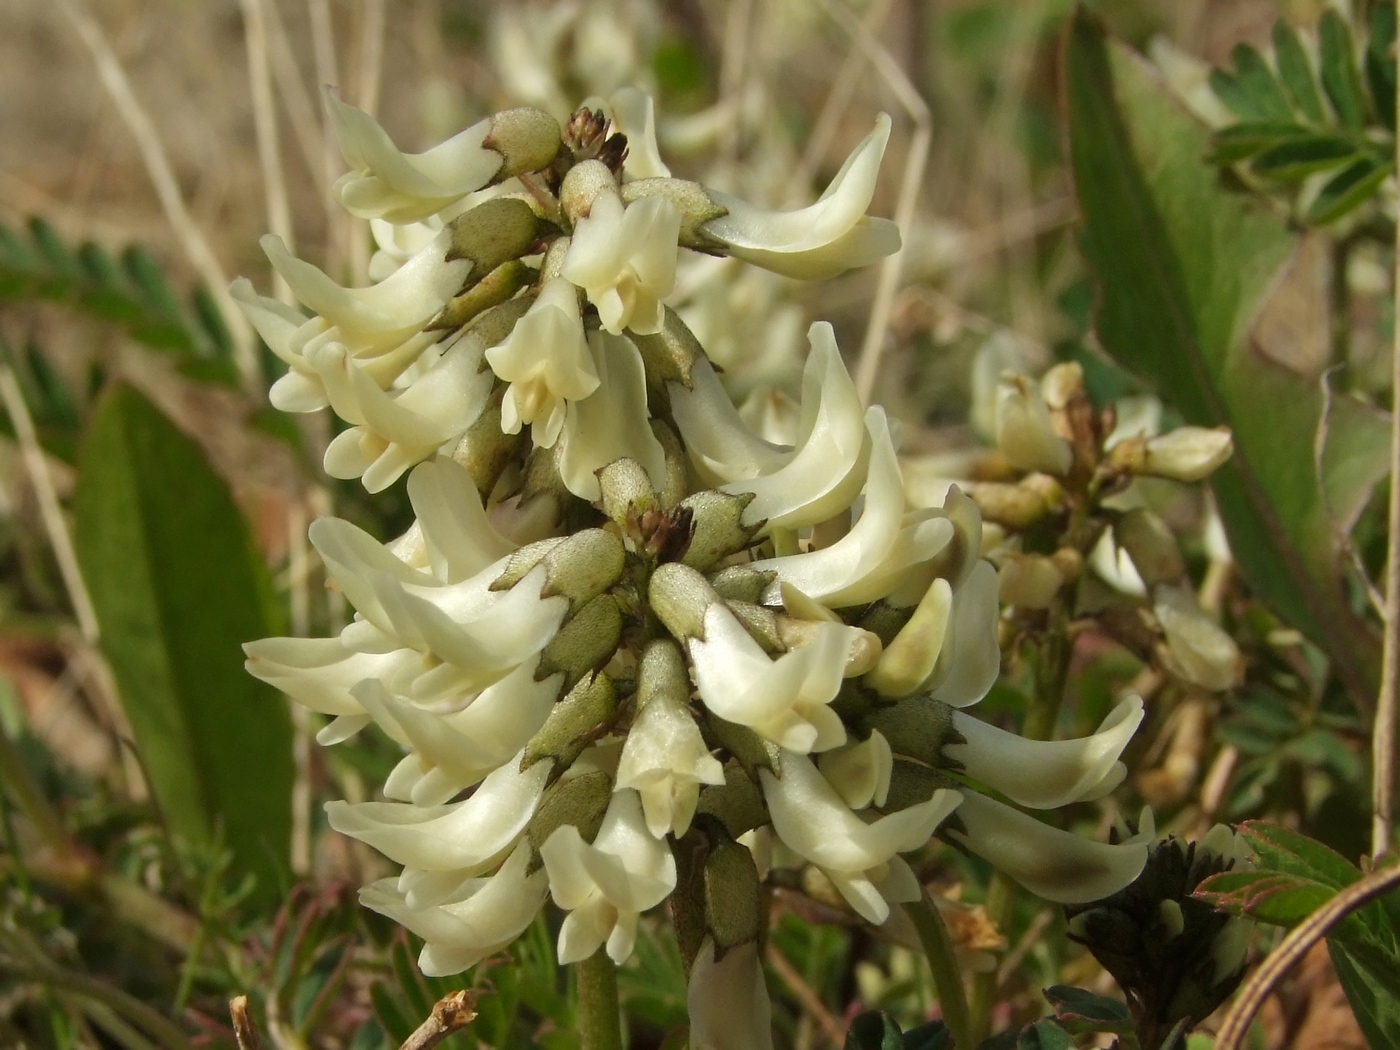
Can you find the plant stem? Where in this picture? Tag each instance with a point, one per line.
(1052, 669)
(1383, 730)
(938, 950)
(599, 1019)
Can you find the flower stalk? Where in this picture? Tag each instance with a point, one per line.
(599, 1014)
(943, 965)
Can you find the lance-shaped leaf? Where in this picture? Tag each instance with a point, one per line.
(178, 588)
(1183, 265)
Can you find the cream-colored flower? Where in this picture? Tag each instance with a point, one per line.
(861, 859)
(606, 886)
(1024, 431)
(727, 1000)
(882, 549)
(476, 919)
(1046, 774)
(1051, 863)
(860, 772)
(393, 430)
(634, 115)
(625, 259)
(612, 423)
(665, 758)
(385, 183)
(547, 363)
(468, 837)
(820, 241)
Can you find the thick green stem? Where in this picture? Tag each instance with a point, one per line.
(599, 1018)
(938, 949)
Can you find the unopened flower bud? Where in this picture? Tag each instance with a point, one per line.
(1020, 506)
(492, 233)
(1151, 546)
(1024, 431)
(1062, 385)
(582, 185)
(626, 488)
(911, 657)
(1029, 581)
(1196, 648)
(680, 596)
(733, 902)
(579, 801)
(583, 715)
(585, 641)
(670, 354)
(719, 528)
(1188, 453)
(526, 138)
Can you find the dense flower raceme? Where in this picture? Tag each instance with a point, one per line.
(629, 644)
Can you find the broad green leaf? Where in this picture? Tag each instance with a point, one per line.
(1340, 77)
(1183, 264)
(1300, 157)
(1081, 1011)
(1380, 61)
(177, 588)
(1371, 981)
(1348, 189)
(1296, 72)
(1258, 79)
(1269, 896)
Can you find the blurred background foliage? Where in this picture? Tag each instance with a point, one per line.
(163, 843)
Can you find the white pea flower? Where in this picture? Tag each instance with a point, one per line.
(385, 183)
(606, 886)
(453, 749)
(665, 758)
(970, 659)
(881, 549)
(1024, 431)
(319, 673)
(468, 837)
(396, 244)
(451, 525)
(785, 700)
(1046, 774)
(827, 468)
(861, 859)
(478, 918)
(393, 430)
(547, 363)
(1051, 863)
(720, 444)
(625, 259)
(612, 423)
(382, 316)
(860, 772)
(1188, 453)
(634, 115)
(728, 1000)
(820, 241)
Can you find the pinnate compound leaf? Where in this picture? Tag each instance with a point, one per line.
(1341, 78)
(1080, 1011)
(1296, 72)
(1182, 266)
(177, 588)
(1258, 79)
(1244, 140)
(1370, 977)
(1268, 896)
(1277, 848)
(1300, 157)
(1348, 189)
(1380, 60)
